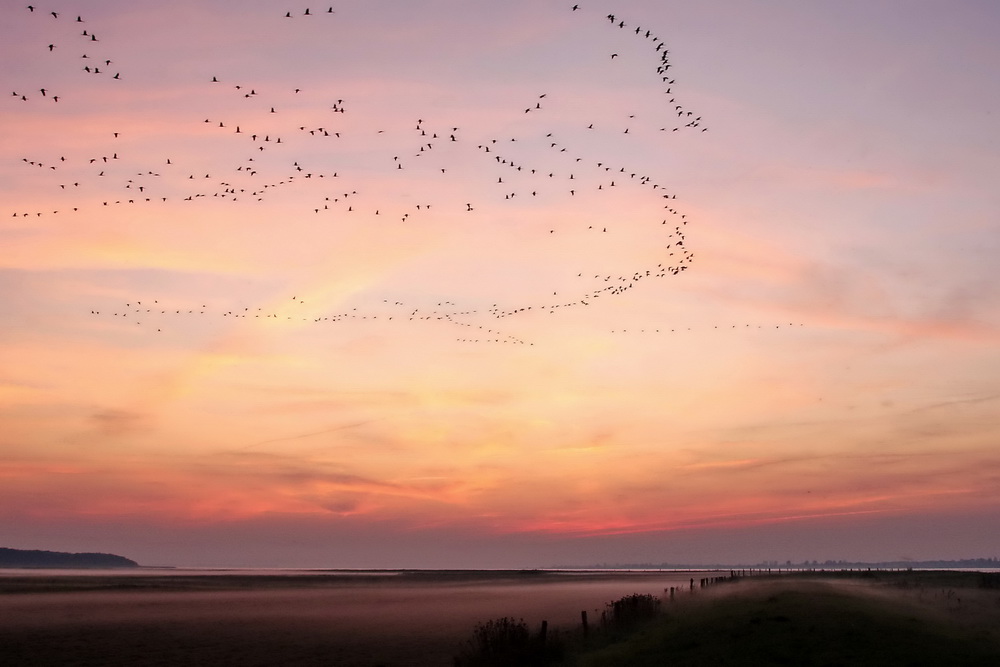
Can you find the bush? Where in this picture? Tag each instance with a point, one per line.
(500, 637)
(630, 611)
(504, 642)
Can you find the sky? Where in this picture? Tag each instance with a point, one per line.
(473, 284)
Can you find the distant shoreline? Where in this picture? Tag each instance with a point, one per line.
(954, 564)
(34, 559)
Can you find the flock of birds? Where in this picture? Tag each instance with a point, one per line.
(270, 169)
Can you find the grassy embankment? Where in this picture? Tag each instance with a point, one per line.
(886, 619)
(853, 618)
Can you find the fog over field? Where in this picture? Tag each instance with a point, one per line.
(254, 619)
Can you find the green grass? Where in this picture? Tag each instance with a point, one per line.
(798, 624)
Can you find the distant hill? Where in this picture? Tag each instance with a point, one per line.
(21, 558)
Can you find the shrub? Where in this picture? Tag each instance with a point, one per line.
(630, 611)
(504, 642)
(500, 636)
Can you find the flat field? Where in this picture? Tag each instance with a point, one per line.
(152, 618)
(321, 618)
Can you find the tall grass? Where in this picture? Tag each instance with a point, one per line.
(629, 611)
(508, 642)
(503, 642)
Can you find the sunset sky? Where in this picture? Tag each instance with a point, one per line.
(439, 284)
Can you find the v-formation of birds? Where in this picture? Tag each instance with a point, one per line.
(270, 166)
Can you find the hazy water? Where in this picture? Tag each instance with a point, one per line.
(301, 617)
